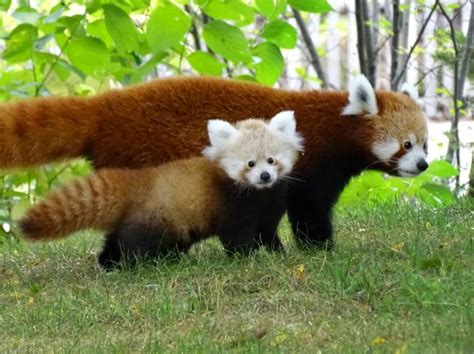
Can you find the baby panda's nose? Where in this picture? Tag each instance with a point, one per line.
(265, 176)
(422, 165)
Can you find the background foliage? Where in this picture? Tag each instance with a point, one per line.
(85, 47)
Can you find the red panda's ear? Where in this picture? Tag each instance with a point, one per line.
(284, 125)
(409, 90)
(221, 134)
(283, 122)
(362, 99)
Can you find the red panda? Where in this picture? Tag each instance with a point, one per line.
(164, 120)
(238, 191)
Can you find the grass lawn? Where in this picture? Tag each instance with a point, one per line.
(399, 280)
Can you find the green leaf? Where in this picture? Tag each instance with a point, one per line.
(26, 14)
(281, 33)
(442, 169)
(271, 8)
(226, 40)
(271, 66)
(88, 54)
(99, 30)
(20, 42)
(316, 6)
(121, 28)
(437, 194)
(166, 27)
(205, 63)
(233, 10)
(5, 5)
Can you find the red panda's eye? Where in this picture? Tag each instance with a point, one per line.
(425, 146)
(251, 164)
(407, 145)
(270, 160)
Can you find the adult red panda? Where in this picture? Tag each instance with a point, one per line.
(238, 192)
(164, 120)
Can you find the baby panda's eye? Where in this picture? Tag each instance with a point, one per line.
(251, 164)
(271, 161)
(407, 145)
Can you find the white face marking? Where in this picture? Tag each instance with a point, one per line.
(361, 98)
(384, 150)
(407, 164)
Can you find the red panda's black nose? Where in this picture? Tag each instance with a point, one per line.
(265, 176)
(422, 165)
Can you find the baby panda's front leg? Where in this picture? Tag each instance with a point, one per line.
(270, 240)
(239, 239)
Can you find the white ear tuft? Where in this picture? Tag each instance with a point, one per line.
(221, 133)
(409, 90)
(361, 98)
(283, 122)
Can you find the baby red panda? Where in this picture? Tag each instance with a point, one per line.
(237, 191)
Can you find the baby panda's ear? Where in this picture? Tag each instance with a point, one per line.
(409, 90)
(284, 123)
(361, 98)
(221, 134)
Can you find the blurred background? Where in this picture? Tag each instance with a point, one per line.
(83, 48)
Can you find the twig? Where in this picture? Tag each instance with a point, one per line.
(396, 82)
(453, 146)
(56, 59)
(194, 30)
(315, 62)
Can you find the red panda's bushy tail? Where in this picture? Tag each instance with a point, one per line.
(94, 202)
(44, 130)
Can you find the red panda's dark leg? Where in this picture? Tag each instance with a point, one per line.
(268, 237)
(310, 203)
(239, 240)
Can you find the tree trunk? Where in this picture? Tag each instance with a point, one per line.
(369, 45)
(396, 27)
(471, 178)
(361, 40)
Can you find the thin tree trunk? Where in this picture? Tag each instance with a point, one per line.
(361, 40)
(471, 178)
(369, 45)
(315, 61)
(466, 57)
(396, 24)
(403, 68)
(454, 143)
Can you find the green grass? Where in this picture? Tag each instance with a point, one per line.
(399, 280)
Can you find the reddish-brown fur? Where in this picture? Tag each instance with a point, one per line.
(166, 119)
(140, 196)
(163, 120)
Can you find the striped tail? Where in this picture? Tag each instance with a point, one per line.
(94, 202)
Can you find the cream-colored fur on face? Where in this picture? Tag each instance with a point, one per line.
(396, 126)
(233, 147)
